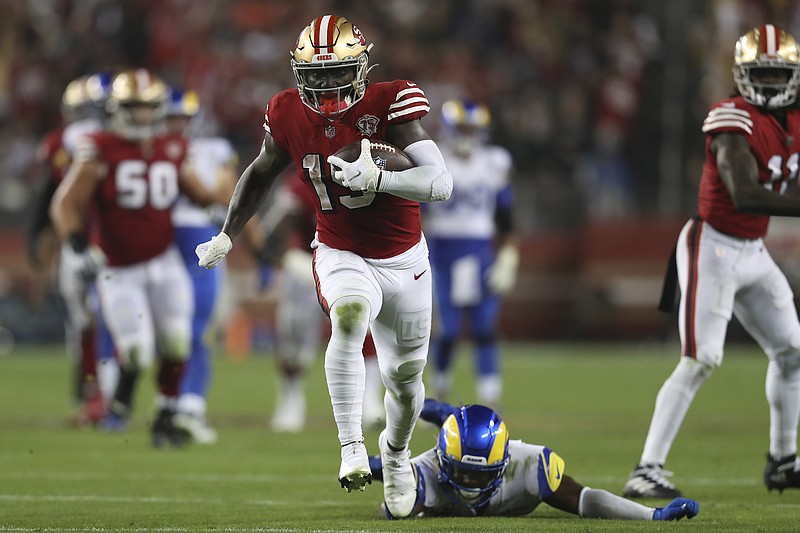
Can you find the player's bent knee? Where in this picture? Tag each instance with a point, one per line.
(350, 316)
(176, 347)
(788, 360)
(694, 369)
(135, 357)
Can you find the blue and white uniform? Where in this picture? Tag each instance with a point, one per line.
(461, 236)
(193, 225)
(533, 474)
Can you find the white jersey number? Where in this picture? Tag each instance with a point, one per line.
(312, 164)
(139, 184)
(778, 176)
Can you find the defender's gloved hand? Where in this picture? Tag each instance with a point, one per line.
(502, 274)
(677, 509)
(211, 253)
(360, 175)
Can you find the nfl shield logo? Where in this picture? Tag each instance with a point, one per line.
(330, 132)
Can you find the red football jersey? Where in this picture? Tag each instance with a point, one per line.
(372, 225)
(135, 196)
(51, 152)
(304, 207)
(775, 149)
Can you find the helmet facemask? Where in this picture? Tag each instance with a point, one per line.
(472, 453)
(470, 482)
(330, 63)
(767, 67)
(331, 101)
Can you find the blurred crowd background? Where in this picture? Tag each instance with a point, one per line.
(599, 101)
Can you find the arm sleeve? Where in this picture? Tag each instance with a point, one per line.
(596, 503)
(41, 215)
(428, 181)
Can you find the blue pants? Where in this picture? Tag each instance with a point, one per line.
(197, 376)
(482, 315)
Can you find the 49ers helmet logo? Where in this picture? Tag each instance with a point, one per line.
(360, 36)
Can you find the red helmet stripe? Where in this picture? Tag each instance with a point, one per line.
(769, 40)
(324, 28)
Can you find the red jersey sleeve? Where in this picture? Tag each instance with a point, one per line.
(410, 103)
(726, 117)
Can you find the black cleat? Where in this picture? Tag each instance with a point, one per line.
(650, 481)
(782, 473)
(164, 433)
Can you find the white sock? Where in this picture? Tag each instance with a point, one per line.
(490, 388)
(373, 389)
(402, 412)
(783, 395)
(672, 403)
(192, 404)
(597, 503)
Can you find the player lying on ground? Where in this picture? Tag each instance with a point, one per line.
(473, 460)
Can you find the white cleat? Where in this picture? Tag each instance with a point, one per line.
(354, 474)
(196, 427)
(399, 482)
(290, 414)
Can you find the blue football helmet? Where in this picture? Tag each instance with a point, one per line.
(472, 452)
(183, 103)
(465, 125)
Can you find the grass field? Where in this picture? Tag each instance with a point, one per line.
(590, 403)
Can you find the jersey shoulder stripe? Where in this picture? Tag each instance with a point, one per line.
(726, 117)
(551, 472)
(410, 103)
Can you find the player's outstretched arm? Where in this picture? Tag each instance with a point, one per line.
(586, 502)
(253, 186)
(436, 412)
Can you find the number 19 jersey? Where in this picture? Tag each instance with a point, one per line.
(372, 225)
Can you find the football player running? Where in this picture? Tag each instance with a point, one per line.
(723, 267)
(131, 176)
(214, 161)
(475, 470)
(370, 256)
(473, 251)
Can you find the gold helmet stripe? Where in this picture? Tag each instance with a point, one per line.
(498, 451)
(452, 438)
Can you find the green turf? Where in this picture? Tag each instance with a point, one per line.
(590, 403)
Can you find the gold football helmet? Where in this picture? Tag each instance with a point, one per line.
(75, 99)
(767, 67)
(331, 62)
(137, 103)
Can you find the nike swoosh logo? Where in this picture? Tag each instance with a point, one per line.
(417, 276)
(558, 473)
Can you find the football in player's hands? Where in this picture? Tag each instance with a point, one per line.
(385, 155)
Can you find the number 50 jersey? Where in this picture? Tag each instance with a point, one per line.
(138, 188)
(372, 225)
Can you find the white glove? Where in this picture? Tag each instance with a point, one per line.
(502, 274)
(360, 175)
(84, 265)
(211, 253)
(298, 264)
